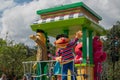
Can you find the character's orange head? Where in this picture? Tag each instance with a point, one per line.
(61, 41)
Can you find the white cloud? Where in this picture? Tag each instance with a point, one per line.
(109, 10)
(6, 4)
(16, 19)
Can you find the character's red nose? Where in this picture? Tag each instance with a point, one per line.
(63, 39)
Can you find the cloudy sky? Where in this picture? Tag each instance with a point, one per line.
(16, 16)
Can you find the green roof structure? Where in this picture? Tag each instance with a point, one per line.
(73, 25)
(68, 6)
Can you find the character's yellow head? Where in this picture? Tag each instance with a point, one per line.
(41, 36)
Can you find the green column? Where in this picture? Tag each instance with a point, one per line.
(66, 32)
(38, 71)
(84, 41)
(91, 47)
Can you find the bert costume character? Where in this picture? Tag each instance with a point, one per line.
(41, 55)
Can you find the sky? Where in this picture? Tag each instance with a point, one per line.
(16, 16)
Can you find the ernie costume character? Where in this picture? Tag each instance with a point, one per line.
(65, 54)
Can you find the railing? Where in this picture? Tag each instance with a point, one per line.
(33, 69)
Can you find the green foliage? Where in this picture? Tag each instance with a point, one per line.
(112, 70)
(11, 57)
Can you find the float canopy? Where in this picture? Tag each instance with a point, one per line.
(73, 24)
(69, 6)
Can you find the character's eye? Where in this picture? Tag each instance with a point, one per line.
(38, 35)
(98, 39)
(63, 38)
(80, 48)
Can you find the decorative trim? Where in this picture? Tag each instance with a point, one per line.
(65, 17)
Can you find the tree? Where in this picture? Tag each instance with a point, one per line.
(112, 47)
(11, 57)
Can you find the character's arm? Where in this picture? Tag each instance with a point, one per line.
(35, 38)
(74, 41)
(58, 57)
(103, 57)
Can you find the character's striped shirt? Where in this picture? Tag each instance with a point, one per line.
(67, 53)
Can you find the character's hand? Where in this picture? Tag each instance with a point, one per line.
(50, 55)
(59, 59)
(33, 37)
(78, 60)
(78, 34)
(34, 66)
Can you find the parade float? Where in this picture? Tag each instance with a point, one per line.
(67, 19)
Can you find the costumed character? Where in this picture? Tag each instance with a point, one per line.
(64, 53)
(57, 66)
(98, 56)
(41, 55)
(78, 52)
